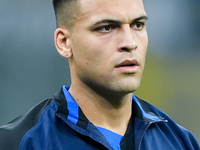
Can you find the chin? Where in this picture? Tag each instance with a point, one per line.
(130, 85)
(131, 89)
(127, 89)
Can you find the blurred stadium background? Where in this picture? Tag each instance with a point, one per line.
(31, 70)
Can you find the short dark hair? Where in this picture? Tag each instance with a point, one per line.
(65, 11)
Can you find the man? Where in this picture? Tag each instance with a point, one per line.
(105, 42)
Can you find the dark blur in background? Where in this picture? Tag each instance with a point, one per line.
(32, 70)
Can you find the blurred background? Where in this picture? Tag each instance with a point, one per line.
(31, 69)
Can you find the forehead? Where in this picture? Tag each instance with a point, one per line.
(124, 10)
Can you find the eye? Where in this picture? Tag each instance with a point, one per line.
(106, 28)
(139, 25)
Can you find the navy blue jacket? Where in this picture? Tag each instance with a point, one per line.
(59, 124)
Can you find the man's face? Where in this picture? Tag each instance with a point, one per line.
(109, 44)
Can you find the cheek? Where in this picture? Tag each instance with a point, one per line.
(143, 42)
(90, 49)
(86, 54)
(142, 49)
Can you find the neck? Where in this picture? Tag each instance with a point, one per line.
(110, 112)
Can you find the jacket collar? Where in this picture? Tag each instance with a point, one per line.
(68, 108)
(143, 112)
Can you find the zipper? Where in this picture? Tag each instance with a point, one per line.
(150, 123)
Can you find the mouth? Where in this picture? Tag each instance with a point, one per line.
(128, 63)
(128, 66)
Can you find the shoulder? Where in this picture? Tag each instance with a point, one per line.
(169, 131)
(12, 132)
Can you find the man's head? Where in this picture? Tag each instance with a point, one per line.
(107, 47)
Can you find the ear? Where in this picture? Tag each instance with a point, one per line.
(61, 38)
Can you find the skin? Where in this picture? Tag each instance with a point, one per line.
(105, 34)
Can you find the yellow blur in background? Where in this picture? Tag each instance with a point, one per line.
(173, 85)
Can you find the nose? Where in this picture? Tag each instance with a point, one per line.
(127, 41)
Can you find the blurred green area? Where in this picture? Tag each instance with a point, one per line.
(173, 85)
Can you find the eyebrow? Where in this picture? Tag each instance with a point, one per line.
(113, 21)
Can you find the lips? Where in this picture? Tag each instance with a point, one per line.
(129, 63)
(128, 66)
